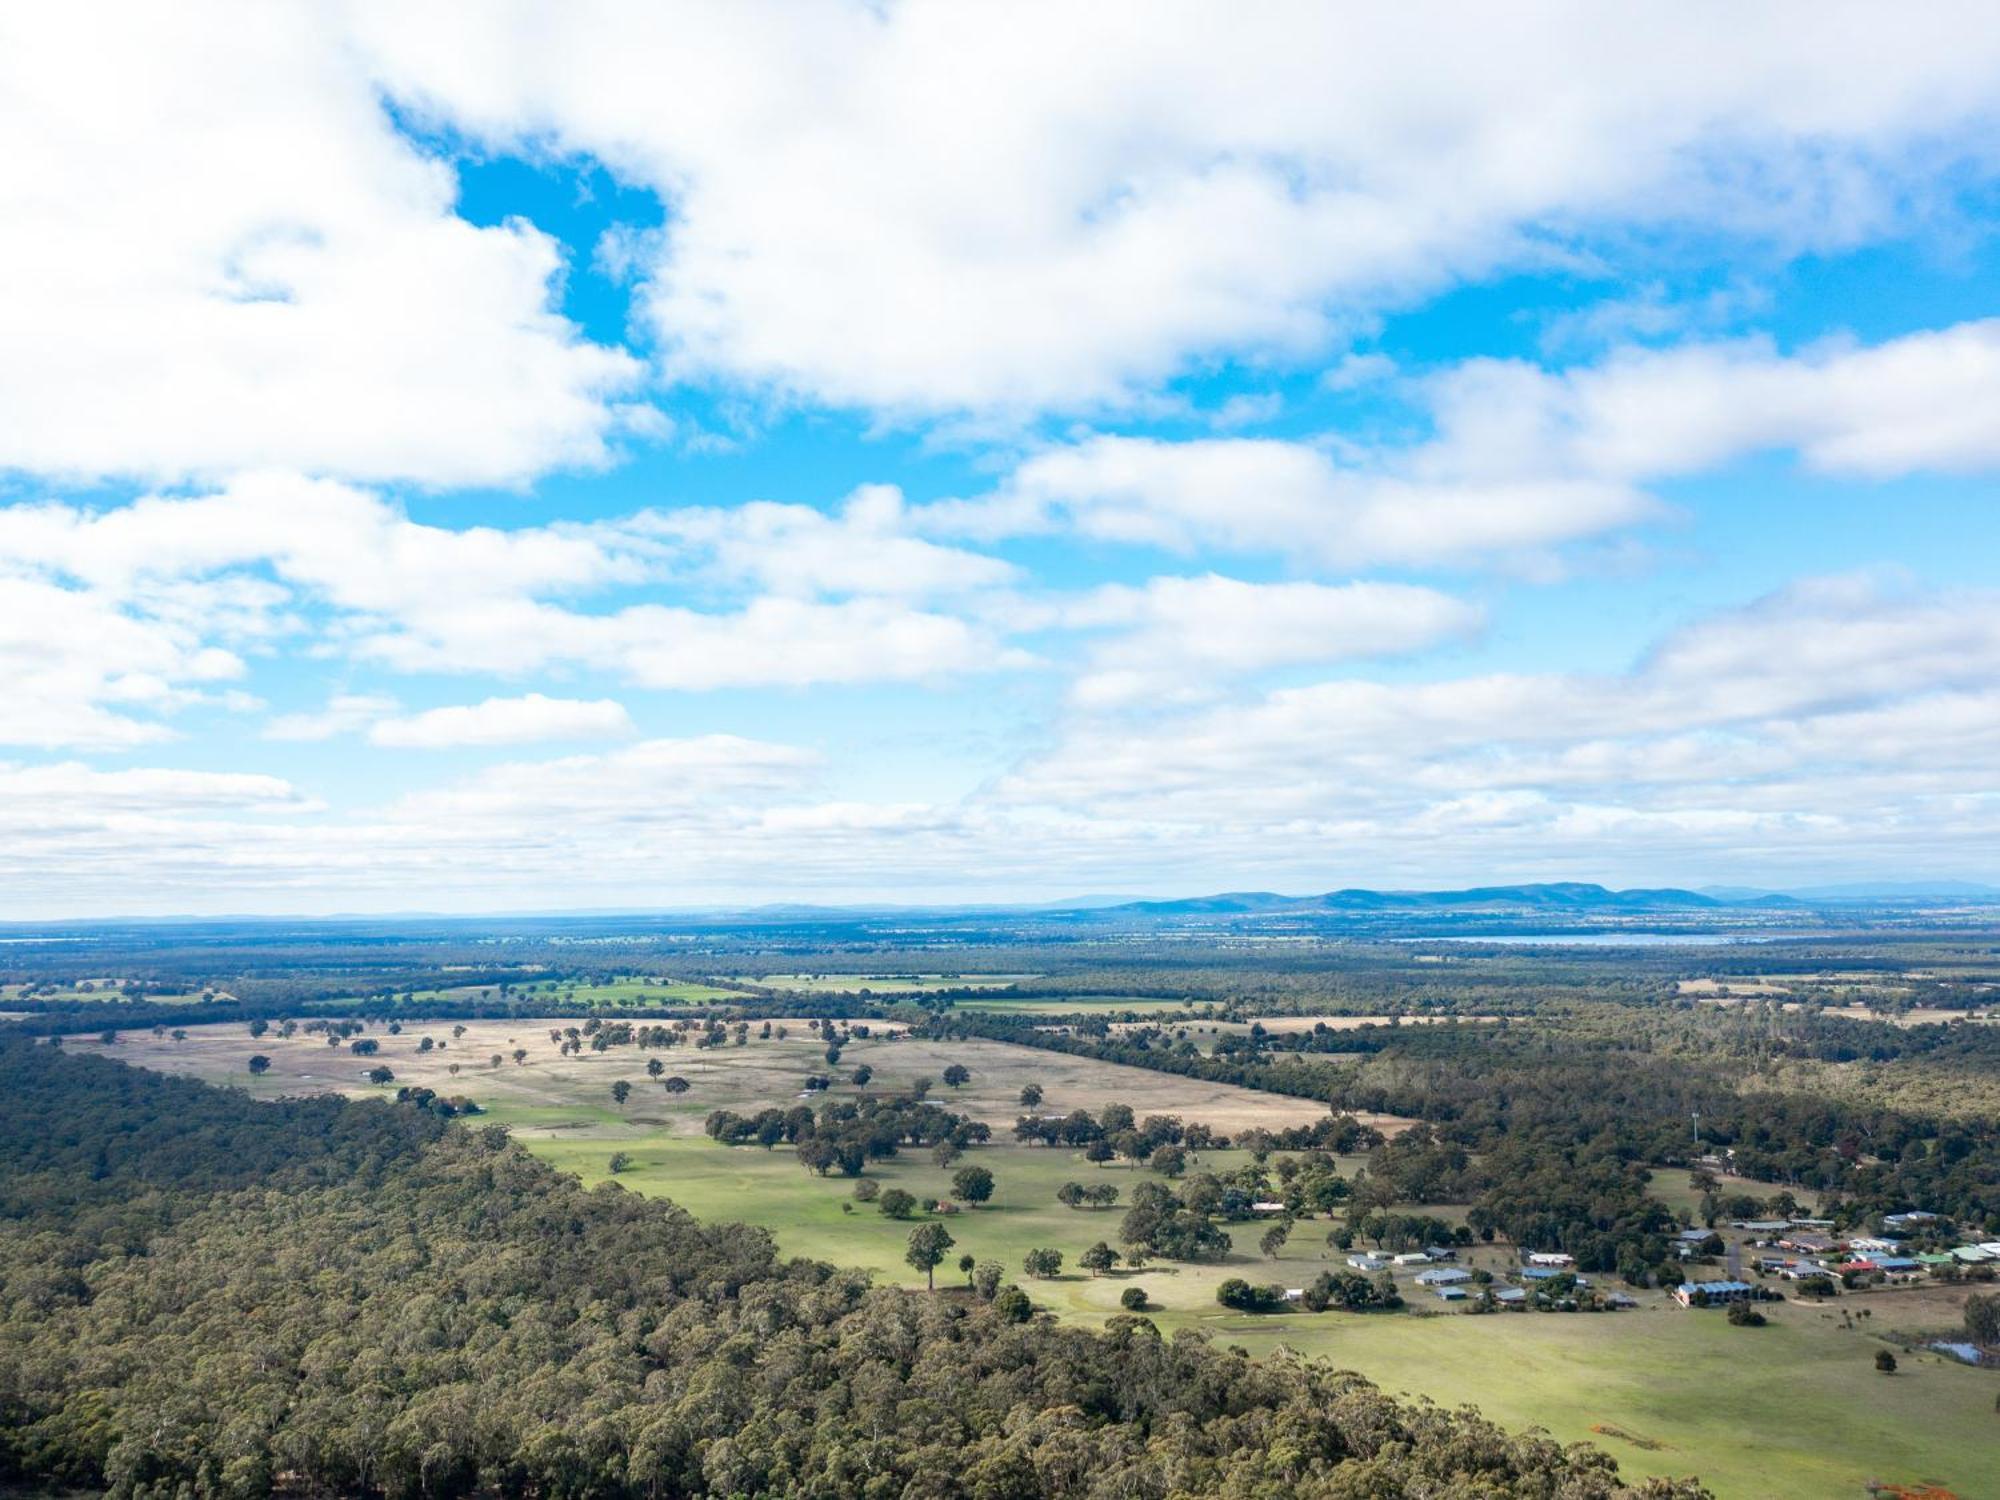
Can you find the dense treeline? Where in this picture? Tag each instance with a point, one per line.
(202, 1295)
(1619, 1088)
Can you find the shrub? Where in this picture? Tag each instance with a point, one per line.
(1133, 1299)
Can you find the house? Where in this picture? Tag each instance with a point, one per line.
(1761, 1226)
(1694, 1236)
(1367, 1263)
(1295, 1294)
(1266, 1206)
(1866, 1244)
(1620, 1300)
(1897, 1265)
(1510, 1296)
(1441, 1252)
(1443, 1276)
(1913, 1222)
(1550, 1258)
(1411, 1258)
(1549, 1273)
(1449, 1293)
(1808, 1244)
(1713, 1293)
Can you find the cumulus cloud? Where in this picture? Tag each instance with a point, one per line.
(1733, 749)
(221, 255)
(504, 721)
(1519, 459)
(121, 616)
(1180, 637)
(921, 208)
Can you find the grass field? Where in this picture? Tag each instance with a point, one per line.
(759, 1074)
(1075, 1005)
(1793, 1411)
(881, 984)
(627, 990)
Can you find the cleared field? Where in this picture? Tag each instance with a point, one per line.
(754, 1076)
(1793, 1411)
(85, 990)
(881, 984)
(1078, 1005)
(631, 990)
(1674, 1186)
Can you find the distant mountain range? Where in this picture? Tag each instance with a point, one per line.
(1879, 890)
(1569, 897)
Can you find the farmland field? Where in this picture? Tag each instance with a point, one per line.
(1077, 1005)
(880, 984)
(760, 1073)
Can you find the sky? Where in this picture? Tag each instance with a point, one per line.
(527, 457)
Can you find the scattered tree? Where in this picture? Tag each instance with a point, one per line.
(1098, 1259)
(928, 1243)
(896, 1204)
(973, 1184)
(260, 1063)
(1043, 1264)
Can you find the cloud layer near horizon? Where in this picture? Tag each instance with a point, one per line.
(318, 494)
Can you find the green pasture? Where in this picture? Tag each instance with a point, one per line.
(1792, 1411)
(879, 984)
(630, 990)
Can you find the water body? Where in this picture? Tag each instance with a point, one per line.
(1599, 939)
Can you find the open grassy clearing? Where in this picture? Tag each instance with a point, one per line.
(1079, 1005)
(880, 984)
(1793, 1411)
(754, 1076)
(628, 990)
(108, 988)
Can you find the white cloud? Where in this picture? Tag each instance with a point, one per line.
(1183, 636)
(797, 551)
(504, 721)
(922, 208)
(1737, 749)
(1272, 495)
(1519, 459)
(221, 256)
(345, 713)
(140, 608)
